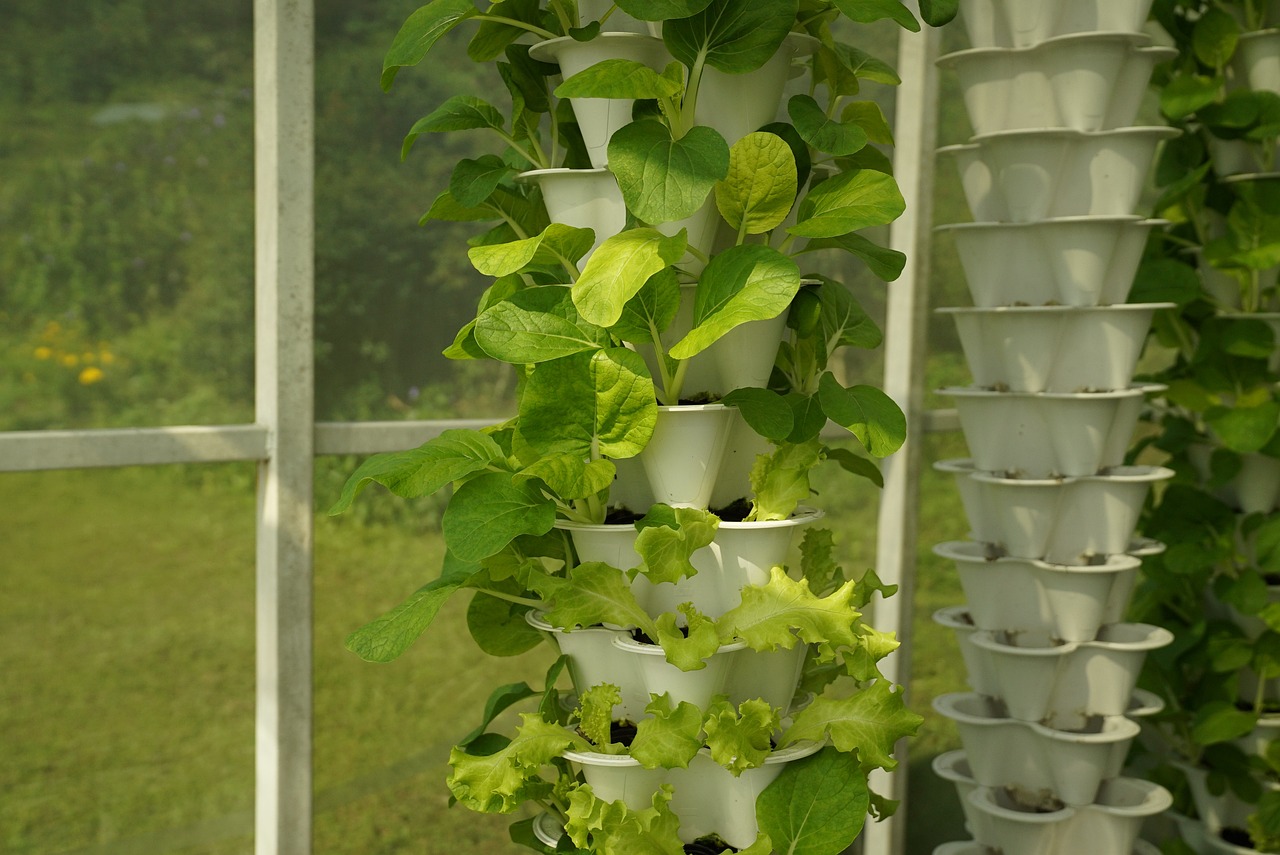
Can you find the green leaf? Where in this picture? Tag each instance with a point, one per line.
(502, 782)
(768, 614)
(592, 593)
(744, 283)
(765, 412)
(458, 113)
(1220, 721)
(619, 268)
(868, 116)
(822, 132)
(384, 639)
(1163, 280)
(868, 722)
(1214, 37)
(618, 78)
(490, 511)
(662, 10)
(687, 648)
(843, 321)
(937, 13)
(558, 244)
(669, 737)
(1244, 429)
(500, 699)
(816, 806)
(1186, 93)
(595, 716)
(780, 481)
(866, 11)
(474, 180)
(570, 476)
(883, 262)
(493, 36)
(868, 413)
(499, 627)
(733, 36)
(847, 202)
(807, 416)
(451, 456)
(856, 465)
(818, 565)
(447, 208)
(536, 325)
(662, 179)
(667, 539)
(589, 404)
(651, 310)
(761, 186)
(740, 739)
(863, 65)
(422, 30)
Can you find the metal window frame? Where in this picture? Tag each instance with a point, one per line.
(285, 439)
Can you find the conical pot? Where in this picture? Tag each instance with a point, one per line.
(1260, 57)
(582, 198)
(658, 676)
(682, 459)
(739, 104)
(594, 661)
(599, 118)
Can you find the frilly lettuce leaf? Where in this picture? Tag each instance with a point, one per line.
(502, 781)
(668, 538)
(780, 481)
(688, 653)
(868, 722)
(773, 614)
(590, 594)
(610, 828)
(670, 737)
(817, 562)
(740, 739)
(595, 716)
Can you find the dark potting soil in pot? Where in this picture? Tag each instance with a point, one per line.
(700, 398)
(640, 636)
(622, 732)
(736, 511)
(621, 516)
(1236, 837)
(711, 845)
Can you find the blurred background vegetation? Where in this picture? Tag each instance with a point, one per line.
(126, 299)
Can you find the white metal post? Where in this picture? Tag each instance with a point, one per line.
(915, 137)
(284, 135)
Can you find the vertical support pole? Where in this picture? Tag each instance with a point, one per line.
(284, 134)
(915, 133)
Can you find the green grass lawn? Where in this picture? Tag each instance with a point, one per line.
(126, 649)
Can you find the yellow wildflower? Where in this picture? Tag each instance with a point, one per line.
(90, 375)
(70, 360)
(43, 352)
(106, 357)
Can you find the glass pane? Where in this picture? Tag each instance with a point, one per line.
(126, 245)
(127, 648)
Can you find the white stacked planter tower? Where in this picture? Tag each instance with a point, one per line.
(1052, 177)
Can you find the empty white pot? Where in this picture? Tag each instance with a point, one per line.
(1072, 261)
(682, 459)
(1024, 595)
(1054, 348)
(1058, 520)
(1025, 23)
(594, 660)
(739, 104)
(1085, 432)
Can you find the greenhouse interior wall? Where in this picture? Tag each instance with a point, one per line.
(283, 440)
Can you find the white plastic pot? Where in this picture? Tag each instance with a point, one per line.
(658, 676)
(1255, 489)
(1072, 261)
(618, 22)
(986, 204)
(1054, 348)
(1041, 765)
(1058, 520)
(972, 847)
(1024, 595)
(739, 104)
(1025, 23)
(630, 487)
(599, 118)
(682, 459)
(1069, 173)
(977, 664)
(742, 554)
(1044, 434)
(582, 198)
(594, 660)
(1260, 56)
(1068, 81)
(1065, 684)
(734, 480)
(1218, 810)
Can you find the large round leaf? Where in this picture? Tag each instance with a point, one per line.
(663, 179)
(733, 36)
(661, 10)
(760, 189)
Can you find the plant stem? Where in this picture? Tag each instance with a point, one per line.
(520, 25)
(512, 598)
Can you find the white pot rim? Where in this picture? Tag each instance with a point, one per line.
(1111, 220)
(536, 619)
(955, 617)
(1158, 131)
(803, 515)
(560, 171)
(595, 758)
(1114, 308)
(629, 644)
(985, 800)
(549, 50)
(1137, 40)
(1242, 177)
(944, 766)
(1137, 390)
(692, 408)
(1268, 33)
(1144, 703)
